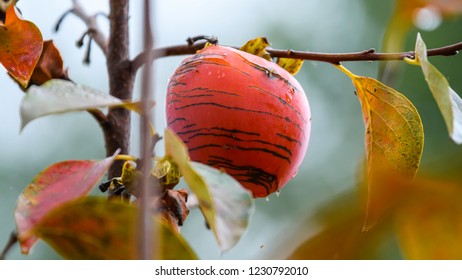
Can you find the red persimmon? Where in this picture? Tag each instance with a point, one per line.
(242, 114)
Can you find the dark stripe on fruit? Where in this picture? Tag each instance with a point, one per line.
(280, 100)
(242, 109)
(189, 125)
(267, 72)
(271, 74)
(251, 174)
(240, 140)
(185, 70)
(193, 65)
(227, 107)
(188, 131)
(173, 101)
(176, 120)
(235, 131)
(174, 83)
(192, 95)
(220, 158)
(209, 90)
(268, 151)
(289, 138)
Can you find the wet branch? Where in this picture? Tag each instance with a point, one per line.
(334, 58)
(367, 55)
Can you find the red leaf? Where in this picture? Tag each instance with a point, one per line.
(21, 44)
(57, 184)
(50, 65)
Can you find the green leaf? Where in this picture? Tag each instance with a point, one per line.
(449, 103)
(257, 47)
(233, 204)
(205, 183)
(394, 142)
(95, 228)
(55, 185)
(21, 44)
(60, 96)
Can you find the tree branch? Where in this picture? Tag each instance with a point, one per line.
(334, 58)
(367, 55)
(140, 59)
(91, 23)
(121, 82)
(11, 242)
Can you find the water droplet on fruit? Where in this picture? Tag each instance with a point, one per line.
(277, 193)
(210, 73)
(288, 98)
(295, 174)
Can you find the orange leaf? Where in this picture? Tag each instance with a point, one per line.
(95, 228)
(21, 44)
(55, 185)
(429, 224)
(340, 235)
(50, 65)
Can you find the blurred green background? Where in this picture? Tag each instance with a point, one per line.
(336, 148)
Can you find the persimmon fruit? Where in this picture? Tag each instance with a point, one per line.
(240, 113)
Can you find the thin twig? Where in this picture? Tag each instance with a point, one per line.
(367, 55)
(334, 58)
(86, 59)
(100, 117)
(91, 23)
(140, 59)
(11, 242)
(61, 19)
(147, 230)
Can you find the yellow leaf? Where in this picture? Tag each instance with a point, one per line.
(394, 142)
(449, 103)
(225, 204)
(175, 149)
(290, 65)
(257, 47)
